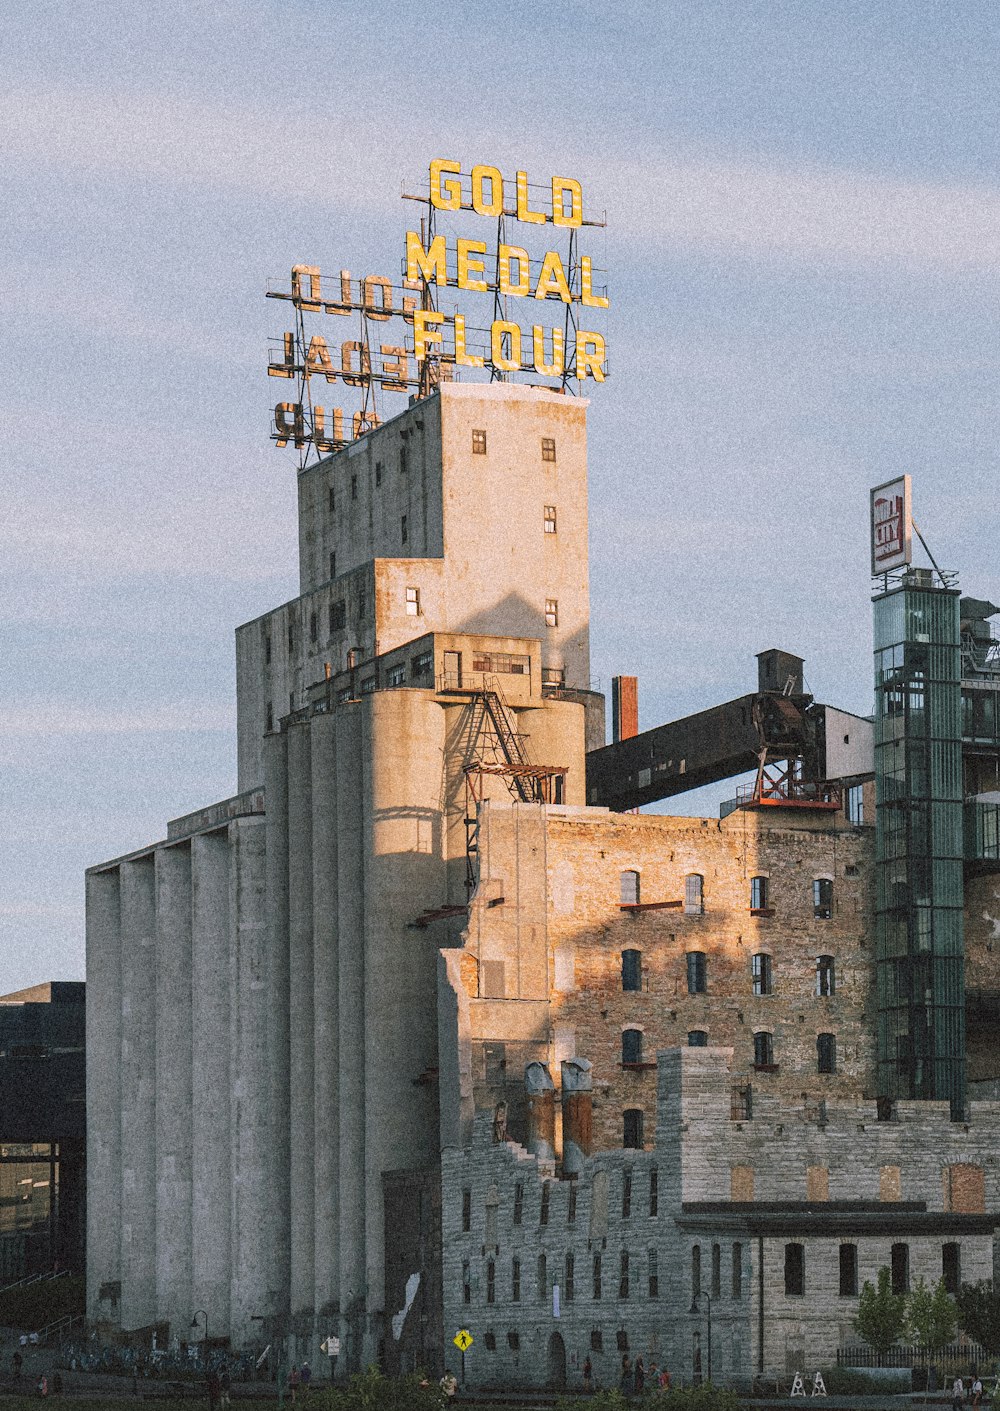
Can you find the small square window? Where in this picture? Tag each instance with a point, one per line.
(551, 612)
(548, 448)
(550, 519)
(413, 602)
(479, 443)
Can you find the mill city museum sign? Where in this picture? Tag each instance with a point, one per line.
(422, 329)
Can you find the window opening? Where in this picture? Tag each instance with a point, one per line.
(543, 1214)
(654, 1191)
(518, 1202)
(568, 1280)
(631, 1047)
(826, 1053)
(413, 602)
(491, 1281)
(597, 1277)
(697, 979)
(632, 1124)
(900, 1265)
(627, 1194)
(479, 443)
(623, 1278)
(763, 1049)
(848, 1270)
(761, 971)
(629, 887)
(694, 894)
(548, 448)
(403, 533)
(631, 969)
(654, 1274)
(951, 1267)
(543, 1282)
(551, 612)
(737, 1273)
(466, 1211)
(697, 1038)
(822, 898)
(826, 983)
(550, 519)
(695, 1268)
(795, 1270)
(758, 893)
(515, 1280)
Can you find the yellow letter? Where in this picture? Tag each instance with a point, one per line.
(294, 431)
(462, 358)
(395, 370)
(318, 358)
(382, 309)
(468, 266)
(363, 421)
(286, 368)
(524, 212)
(482, 207)
(587, 295)
(555, 368)
(363, 375)
(311, 298)
(319, 437)
(424, 332)
(500, 330)
(552, 279)
(520, 258)
(410, 304)
(431, 264)
(445, 195)
(560, 185)
(588, 364)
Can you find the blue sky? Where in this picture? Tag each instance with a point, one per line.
(804, 251)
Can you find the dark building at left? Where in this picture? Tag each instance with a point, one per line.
(42, 1129)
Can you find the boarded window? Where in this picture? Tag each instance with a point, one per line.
(629, 888)
(889, 1183)
(848, 1270)
(631, 969)
(697, 972)
(795, 1270)
(741, 1183)
(694, 894)
(964, 1189)
(493, 979)
(817, 1183)
(632, 1128)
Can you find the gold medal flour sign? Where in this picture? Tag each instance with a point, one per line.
(544, 302)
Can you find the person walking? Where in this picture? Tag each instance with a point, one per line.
(977, 1389)
(305, 1377)
(225, 1386)
(588, 1373)
(957, 1394)
(293, 1383)
(626, 1381)
(640, 1376)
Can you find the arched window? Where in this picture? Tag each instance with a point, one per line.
(694, 894)
(697, 1038)
(631, 1046)
(630, 888)
(761, 972)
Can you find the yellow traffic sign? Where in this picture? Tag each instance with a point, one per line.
(463, 1339)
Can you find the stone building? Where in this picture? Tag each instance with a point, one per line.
(410, 992)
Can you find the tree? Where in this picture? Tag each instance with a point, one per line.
(881, 1314)
(979, 1314)
(931, 1317)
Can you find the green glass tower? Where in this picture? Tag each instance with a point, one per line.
(919, 939)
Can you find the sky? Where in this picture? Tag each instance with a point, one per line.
(803, 242)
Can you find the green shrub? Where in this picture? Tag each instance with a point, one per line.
(372, 1391)
(849, 1381)
(702, 1398)
(600, 1401)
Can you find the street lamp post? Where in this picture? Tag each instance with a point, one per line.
(194, 1324)
(700, 1293)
